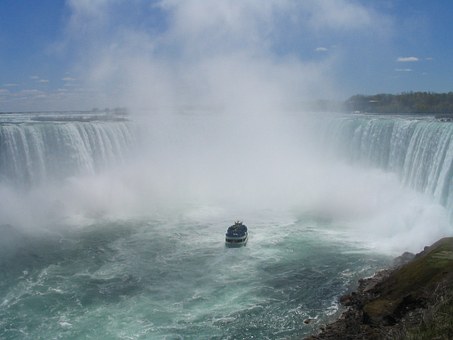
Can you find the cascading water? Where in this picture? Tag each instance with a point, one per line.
(35, 149)
(164, 273)
(418, 150)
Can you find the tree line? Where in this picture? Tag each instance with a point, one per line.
(407, 102)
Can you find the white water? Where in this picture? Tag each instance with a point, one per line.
(418, 150)
(36, 149)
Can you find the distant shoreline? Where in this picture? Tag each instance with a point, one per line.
(404, 103)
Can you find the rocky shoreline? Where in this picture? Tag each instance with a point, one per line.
(412, 300)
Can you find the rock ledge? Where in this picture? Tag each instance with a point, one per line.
(413, 300)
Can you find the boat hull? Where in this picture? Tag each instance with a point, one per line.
(236, 242)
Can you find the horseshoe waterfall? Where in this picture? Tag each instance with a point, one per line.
(114, 227)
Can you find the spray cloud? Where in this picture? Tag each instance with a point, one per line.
(211, 84)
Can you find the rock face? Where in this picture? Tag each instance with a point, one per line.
(412, 300)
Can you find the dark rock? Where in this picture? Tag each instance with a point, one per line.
(406, 257)
(347, 300)
(394, 302)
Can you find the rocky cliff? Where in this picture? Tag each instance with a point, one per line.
(413, 300)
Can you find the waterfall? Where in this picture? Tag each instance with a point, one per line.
(418, 150)
(32, 152)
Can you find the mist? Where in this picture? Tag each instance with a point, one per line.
(246, 56)
(219, 101)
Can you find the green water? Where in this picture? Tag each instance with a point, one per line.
(173, 278)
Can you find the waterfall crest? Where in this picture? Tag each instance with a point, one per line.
(419, 151)
(35, 152)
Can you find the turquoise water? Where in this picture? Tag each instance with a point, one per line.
(173, 278)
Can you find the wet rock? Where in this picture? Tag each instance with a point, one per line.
(406, 257)
(393, 302)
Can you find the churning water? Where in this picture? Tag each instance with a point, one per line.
(173, 278)
(88, 252)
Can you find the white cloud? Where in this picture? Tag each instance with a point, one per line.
(69, 79)
(32, 92)
(343, 15)
(407, 59)
(205, 27)
(403, 70)
(251, 21)
(39, 80)
(88, 15)
(321, 49)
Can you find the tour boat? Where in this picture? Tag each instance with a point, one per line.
(236, 235)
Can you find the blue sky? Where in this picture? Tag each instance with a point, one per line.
(80, 54)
